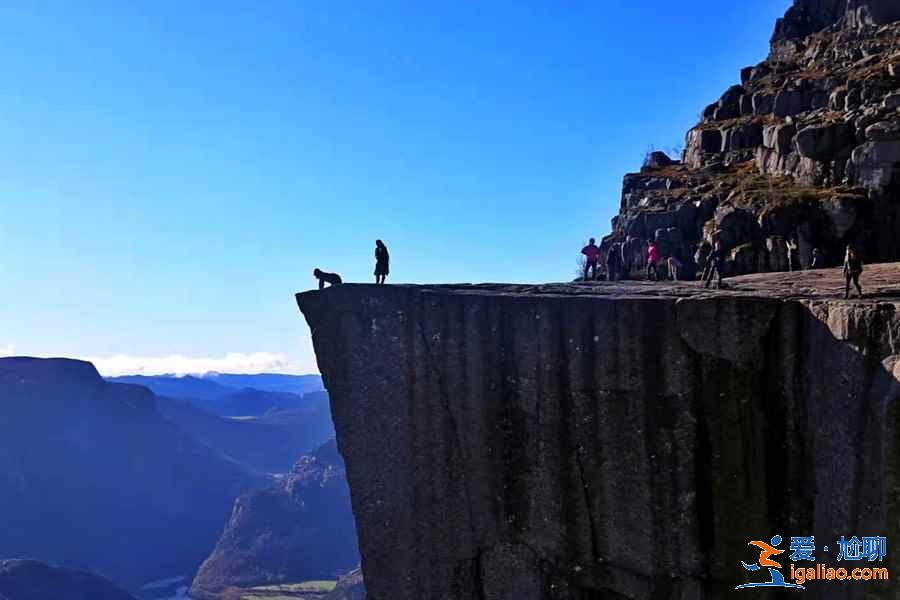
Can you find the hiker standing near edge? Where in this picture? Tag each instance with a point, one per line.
(675, 266)
(793, 256)
(653, 260)
(382, 262)
(816, 260)
(592, 255)
(612, 262)
(714, 263)
(853, 268)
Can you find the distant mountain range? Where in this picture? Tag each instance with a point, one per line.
(232, 395)
(106, 476)
(282, 417)
(94, 476)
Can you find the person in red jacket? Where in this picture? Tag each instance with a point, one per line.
(592, 259)
(653, 260)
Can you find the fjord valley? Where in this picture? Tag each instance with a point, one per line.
(110, 479)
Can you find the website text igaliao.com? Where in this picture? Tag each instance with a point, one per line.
(820, 572)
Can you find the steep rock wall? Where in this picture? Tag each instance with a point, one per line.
(578, 443)
(804, 146)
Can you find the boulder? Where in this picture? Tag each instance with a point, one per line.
(729, 104)
(734, 226)
(825, 142)
(657, 160)
(874, 163)
(790, 102)
(842, 213)
(763, 103)
(883, 131)
(741, 137)
(779, 137)
(701, 142)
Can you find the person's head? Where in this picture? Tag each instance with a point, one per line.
(379, 243)
(591, 242)
(851, 251)
(317, 273)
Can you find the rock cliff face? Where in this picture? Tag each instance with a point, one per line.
(585, 442)
(806, 146)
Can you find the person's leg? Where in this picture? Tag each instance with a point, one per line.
(707, 275)
(848, 278)
(594, 271)
(856, 283)
(587, 266)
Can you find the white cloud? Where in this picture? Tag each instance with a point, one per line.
(178, 364)
(7, 350)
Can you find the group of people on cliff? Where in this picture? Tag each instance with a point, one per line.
(382, 268)
(618, 263)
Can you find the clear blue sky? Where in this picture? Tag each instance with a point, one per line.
(171, 173)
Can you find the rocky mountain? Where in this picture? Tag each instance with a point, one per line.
(806, 147)
(92, 476)
(349, 587)
(587, 441)
(32, 580)
(298, 531)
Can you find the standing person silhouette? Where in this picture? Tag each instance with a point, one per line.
(382, 262)
(653, 260)
(591, 259)
(853, 268)
(714, 264)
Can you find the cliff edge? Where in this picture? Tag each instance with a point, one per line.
(587, 441)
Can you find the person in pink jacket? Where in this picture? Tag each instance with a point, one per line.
(592, 258)
(653, 260)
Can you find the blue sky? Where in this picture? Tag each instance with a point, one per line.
(170, 173)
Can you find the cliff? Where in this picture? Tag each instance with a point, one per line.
(588, 441)
(804, 146)
(301, 530)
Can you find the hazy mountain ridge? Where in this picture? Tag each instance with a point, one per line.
(89, 468)
(32, 580)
